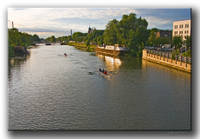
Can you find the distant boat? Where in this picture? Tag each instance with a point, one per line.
(47, 43)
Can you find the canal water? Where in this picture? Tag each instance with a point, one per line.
(49, 91)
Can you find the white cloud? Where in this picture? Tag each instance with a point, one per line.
(155, 22)
(47, 18)
(44, 17)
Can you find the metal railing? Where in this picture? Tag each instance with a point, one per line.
(168, 54)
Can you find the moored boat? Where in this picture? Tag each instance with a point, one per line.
(47, 43)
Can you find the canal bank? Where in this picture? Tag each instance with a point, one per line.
(83, 46)
(107, 50)
(166, 61)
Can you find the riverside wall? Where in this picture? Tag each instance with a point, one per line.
(166, 61)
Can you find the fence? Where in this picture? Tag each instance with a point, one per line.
(165, 58)
(168, 54)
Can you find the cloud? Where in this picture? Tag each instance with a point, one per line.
(63, 19)
(155, 22)
(78, 19)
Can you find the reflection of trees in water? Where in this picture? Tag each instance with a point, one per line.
(130, 62)
(13, 62)
(17, 61)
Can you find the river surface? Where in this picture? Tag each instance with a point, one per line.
(49, 91)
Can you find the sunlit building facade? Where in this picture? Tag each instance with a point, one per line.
(182, 28)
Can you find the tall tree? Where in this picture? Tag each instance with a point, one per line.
(177, 42)
(188, 42)
(110, 34)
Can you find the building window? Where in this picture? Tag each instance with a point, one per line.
(180, 32)
(186, 25)
(176, 26)
(180, 26)
(176, 32)
(186, 31)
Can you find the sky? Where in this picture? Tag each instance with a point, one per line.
(46, 22)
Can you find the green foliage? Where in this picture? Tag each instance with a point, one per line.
(95, 37)
(110, 34)
(65, 39)
(188, 42)
(51, 39)
(187, 53)
(100, 40)
(177, 42)
(83, 46)
(162, 40)
(79, 37)
(16, 38)
(11, 52)
(175, 53)
(130, 32)
(154, 40)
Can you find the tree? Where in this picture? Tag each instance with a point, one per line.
(110, 34)
(17, 38)
(95, 37)
(152, 40)
(134, 33)
(79, 36)
(51, 39)
(36, 38)
(177, 42)
(100, 40)
(188, 42)
(130, 32)
(162, 40)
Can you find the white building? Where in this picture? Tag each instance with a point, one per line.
(182, 28)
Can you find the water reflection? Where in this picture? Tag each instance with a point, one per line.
(111, 63)
(15, 62)
(149, 66)
(50, 91)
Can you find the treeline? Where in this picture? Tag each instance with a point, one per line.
(130, 32)
(18, 42)
(157, 41)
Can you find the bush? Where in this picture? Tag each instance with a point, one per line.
(175, 53)
(187, 53)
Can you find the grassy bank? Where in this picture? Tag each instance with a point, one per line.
(83, 46)
(19, 42)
